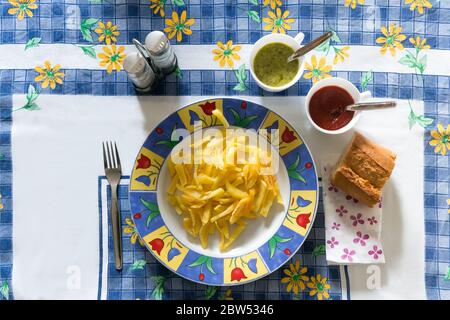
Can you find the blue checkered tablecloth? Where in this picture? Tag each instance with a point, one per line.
(58, 22)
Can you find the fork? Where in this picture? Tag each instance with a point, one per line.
(113, 173)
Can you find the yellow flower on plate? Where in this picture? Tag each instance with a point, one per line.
(226, 53)
(158, 6)
(296, 277)
(419, 43)
(419, 4)
(353, 3)
(441, 140)
(107, 33)
(392, 39)
(277, 21)
(319, 287)
(131, 229)
(49, 75)
(112, 57)
(317, 70)
(273, 3)
(340, 54)
(22, 8)
(179, 25)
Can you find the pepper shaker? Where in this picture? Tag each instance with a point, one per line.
(139, 72)
(161, 52)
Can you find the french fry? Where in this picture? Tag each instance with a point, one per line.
(261, 195)
(235, 192)
(236, 232)
(206, 213)
(223, 213)
(239, 211)
(203, 233)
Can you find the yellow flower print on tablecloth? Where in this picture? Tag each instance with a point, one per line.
(448, 203)
(419, 5)
(112, 57)
(1, 202)
(296, 277)
(49, 75)
(419, 43)
(353, 3)
(319, 287)
(131, 229)
(179, 25)
(392, 39)
(340, 54)
(278, 21)
(228, 295)
(273, 3)
(22, 8)
(441, 139)
(107, 33)
(317, 70)
(158, 6)
(226, 53)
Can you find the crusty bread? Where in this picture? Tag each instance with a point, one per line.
(363, 170)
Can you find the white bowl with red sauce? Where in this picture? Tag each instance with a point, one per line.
(326, 102)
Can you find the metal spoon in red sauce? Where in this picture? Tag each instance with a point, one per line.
(327, 107)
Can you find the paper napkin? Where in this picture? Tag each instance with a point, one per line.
(352, 230)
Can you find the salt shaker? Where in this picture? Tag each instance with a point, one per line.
(139, 72)
(161, 52)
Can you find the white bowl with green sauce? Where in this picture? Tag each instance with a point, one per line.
(268, 61)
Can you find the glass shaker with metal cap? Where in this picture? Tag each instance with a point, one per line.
(161, 52)
(139, 72)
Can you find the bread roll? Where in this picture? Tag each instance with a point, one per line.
(363, 170)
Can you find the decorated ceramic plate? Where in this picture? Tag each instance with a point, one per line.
(266, 244)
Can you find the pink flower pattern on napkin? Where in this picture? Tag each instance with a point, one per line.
(372, 220)
(341, 211)
(361, 238)
(336, 226)
(332, 242)
(375, 252)
(357, 219)
(348, 254)
(332, 188)
(352, 229)
(349, 197)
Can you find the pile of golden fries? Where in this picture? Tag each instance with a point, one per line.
(221, 193)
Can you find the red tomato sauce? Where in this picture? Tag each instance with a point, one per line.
(327, 107)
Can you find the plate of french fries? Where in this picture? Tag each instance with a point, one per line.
(223, 191)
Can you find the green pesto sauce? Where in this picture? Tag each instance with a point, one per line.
(271, 66)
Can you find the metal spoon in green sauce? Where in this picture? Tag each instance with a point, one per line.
(271, 66)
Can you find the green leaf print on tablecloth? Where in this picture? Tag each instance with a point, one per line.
(210, 292)
(254, 15)
(138, 265)
(158, 291)
(86, 27)
(366, 78)
(241, 76)
(88, 50)
(4, 290)
(319, 250)
(419, 119)
(31, 97)
(33, 42)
